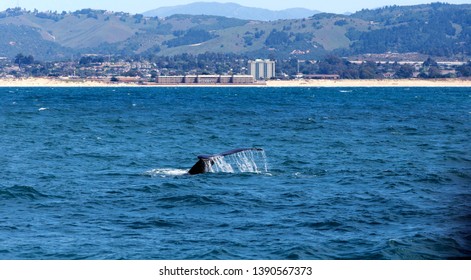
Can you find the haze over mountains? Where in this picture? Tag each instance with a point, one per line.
(231, 10)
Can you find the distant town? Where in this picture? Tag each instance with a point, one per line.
(430, 41)
(216, 69)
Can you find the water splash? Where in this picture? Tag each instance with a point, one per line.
(164, 172)
(249, 161)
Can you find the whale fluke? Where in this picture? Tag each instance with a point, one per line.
(198, 168)
(206, 161)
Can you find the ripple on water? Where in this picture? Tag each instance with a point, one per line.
(372, 174)
(21, 192)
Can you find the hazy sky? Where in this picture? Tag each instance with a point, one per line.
(140, 6)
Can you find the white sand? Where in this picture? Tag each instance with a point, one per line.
(57, 82)
(374, 83)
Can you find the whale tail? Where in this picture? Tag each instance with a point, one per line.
(205, 162)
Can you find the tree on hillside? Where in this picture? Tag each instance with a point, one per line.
(21, 59)
(334, 65)
(277, 38)
(465, 70)
(405, 71)
(368, 70)
(88, 60)
(434, 72)
(430, 62)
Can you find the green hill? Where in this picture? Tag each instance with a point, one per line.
(435, 29)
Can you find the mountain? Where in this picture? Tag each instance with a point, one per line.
(433, 30)
(231, 10)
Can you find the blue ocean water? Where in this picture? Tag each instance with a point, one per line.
(360, 173)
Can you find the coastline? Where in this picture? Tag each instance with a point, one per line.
(56, 82)
(374, 83)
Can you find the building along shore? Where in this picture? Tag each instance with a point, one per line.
(58, 82)
(206, 80)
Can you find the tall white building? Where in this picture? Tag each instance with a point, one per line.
(262, 69)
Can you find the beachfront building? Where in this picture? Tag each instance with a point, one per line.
(322, 76)
(262, 69)
(206, 79)
(242, 79)
(170, 80)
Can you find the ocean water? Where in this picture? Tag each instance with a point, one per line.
(360, 173)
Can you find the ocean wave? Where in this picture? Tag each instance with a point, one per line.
(433, 179)
(424, 246)
(153, 223)
(191, 199)
(378, 176)
(25, 192)
(326, 225)
(216, 254)
(304, 252)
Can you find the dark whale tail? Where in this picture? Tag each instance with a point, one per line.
(206, 161)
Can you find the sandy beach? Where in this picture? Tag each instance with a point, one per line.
(58, 82)
(373, 83)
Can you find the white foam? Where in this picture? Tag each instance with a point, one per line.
(43, 109)
(163, 172)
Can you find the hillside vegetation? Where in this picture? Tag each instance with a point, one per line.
(435, 30)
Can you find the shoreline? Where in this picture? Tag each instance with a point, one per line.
(54, 82)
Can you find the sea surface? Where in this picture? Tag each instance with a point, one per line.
(352, 173)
